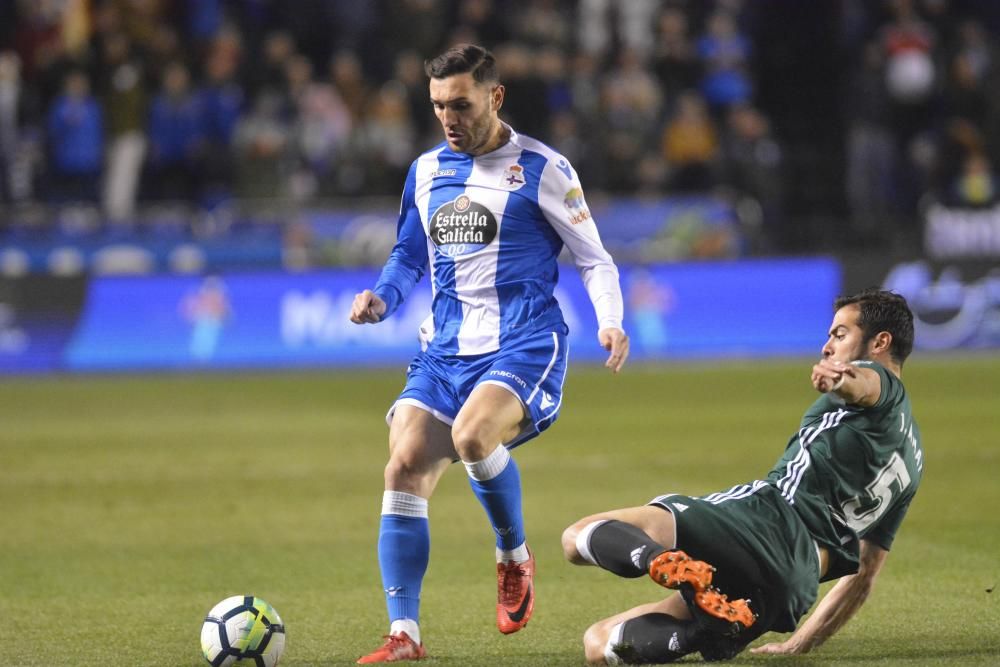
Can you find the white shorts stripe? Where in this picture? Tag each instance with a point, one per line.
(552, 362)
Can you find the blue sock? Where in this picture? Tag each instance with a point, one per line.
(404, 544)
(496, 481)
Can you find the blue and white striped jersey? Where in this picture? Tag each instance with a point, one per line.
(490, 228)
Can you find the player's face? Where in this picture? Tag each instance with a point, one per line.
(467, 112)
(846, 341)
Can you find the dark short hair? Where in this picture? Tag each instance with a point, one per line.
(881, 310)
(461, 59)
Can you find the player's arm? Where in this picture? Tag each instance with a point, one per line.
(856, 385)
(837, 607)
(561, 200)
(405, 266)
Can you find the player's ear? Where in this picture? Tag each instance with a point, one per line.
(496, 97)
(881, 343)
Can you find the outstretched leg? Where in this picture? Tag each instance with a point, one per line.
(622, 542)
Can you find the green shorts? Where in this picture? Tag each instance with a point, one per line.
(759, 546)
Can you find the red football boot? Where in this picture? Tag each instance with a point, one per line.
(515, 594)
(396, 648)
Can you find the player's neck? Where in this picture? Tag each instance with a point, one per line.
(889, 364)
(499, 135)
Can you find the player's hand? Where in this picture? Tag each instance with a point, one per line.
(614, 341)
(827, 373)
(367, 308)
(780, 648)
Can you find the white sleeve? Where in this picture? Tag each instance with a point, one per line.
(560, 197)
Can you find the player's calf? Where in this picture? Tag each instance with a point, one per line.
(618, 547)
(648, 639)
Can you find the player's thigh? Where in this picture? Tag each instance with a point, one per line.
(420, 450)
(653, 520)
(490, 416)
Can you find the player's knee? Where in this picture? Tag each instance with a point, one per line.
(470, 443)
(403, 471)
(569, 544)
(594, 641)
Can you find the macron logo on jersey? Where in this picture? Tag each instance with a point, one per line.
(563, 166)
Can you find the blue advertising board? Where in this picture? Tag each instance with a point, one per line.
(692, 310)
(37, 316)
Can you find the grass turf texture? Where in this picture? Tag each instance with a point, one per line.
(133, 504)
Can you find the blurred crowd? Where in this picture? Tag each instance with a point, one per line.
(120, 102)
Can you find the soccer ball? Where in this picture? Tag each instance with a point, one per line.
(242, 630)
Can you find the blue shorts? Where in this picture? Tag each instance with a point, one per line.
(532, 368)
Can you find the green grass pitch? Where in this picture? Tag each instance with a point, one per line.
(132, 504)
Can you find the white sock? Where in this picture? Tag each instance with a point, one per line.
(583, 541)
(489, 467)
(407, 625)
(516, 555)
(614, 639)
(404, 504)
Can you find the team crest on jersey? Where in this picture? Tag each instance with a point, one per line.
(577, 206)
(513, 178)
(462, 226)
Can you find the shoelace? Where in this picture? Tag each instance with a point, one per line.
(512, 584)
(392, 640)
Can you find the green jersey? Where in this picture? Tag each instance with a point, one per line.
(850, 472)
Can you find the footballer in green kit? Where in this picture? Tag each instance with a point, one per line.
(749, 560)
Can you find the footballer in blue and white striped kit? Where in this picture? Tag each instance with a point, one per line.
(488, 211)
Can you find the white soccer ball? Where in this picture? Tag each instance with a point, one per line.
(242, 630)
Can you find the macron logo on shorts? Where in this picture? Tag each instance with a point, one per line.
(510, 376)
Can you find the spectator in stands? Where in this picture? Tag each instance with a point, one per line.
(415, 25)
(725, 54)
(525, 106)
(753, 166)
(976, 185)
(543, 23)
(263, 149)
(387, 137)
(176, 136)
(632, 103)
(347, 76)
(221, 100)
(322, 126)
(690, 145)
(75, 133)
(675, 61)
(553, 72)
(122, 88)
(910, 46)
(970, 68)
(604, 23)
(481, 21)
(162, 50)
(872, 196)
(269, 74)
(409, 73)
(12, 108)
